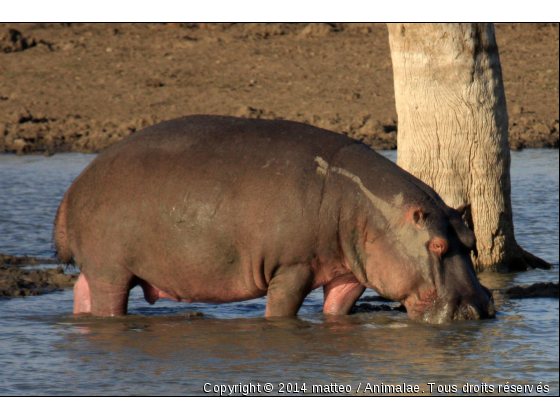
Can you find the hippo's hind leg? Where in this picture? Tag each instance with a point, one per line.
(102, 295)
(287, 290)
(82, 296)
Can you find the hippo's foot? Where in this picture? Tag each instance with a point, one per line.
(99, 298)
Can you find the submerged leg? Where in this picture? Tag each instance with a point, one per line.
(109, 299)
(82, 297)
(341, 294)
(102, 297)
(287, 290)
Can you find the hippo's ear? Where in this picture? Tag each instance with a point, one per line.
(419, 218)
(463, 225)
(466, 235)
(463, 209)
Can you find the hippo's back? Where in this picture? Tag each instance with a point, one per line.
(231, 137)
(210, 155)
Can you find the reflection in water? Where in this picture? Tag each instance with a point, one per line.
(168, 349)
(178, 354)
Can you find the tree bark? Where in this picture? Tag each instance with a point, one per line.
(453, 129)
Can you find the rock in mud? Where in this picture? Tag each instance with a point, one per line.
(364, 308)
(154, 83)
(17, 282)
(13, 41)
(264, 30)
(536, 290)
(530, 132)
(316, 29)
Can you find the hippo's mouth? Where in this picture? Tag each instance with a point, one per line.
(470, 309)
(443, 311)
(422, 308)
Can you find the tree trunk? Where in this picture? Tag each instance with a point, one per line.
(453, 129)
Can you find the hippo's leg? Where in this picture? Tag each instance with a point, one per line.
(109, 297)
(82, 297)
(341, 294)
(287, 290)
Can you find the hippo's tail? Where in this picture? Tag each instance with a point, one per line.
(61, 248)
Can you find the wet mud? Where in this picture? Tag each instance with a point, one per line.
(83, 87)
(19, 279)
(536, 290)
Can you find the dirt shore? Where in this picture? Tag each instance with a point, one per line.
(82, 87)
(16, 281)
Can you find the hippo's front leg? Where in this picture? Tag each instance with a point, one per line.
(287, 290)
(341, 294)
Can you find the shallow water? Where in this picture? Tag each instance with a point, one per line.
(166, 349)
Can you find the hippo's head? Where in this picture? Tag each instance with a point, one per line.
(424, 262)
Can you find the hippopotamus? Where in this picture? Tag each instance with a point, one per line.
(222, 209)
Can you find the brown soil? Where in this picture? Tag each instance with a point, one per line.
(82, 87)
(18, 282)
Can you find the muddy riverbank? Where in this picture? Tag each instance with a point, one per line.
(19, 278)
(82, 87)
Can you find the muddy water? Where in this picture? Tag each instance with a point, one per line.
(168, 348)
